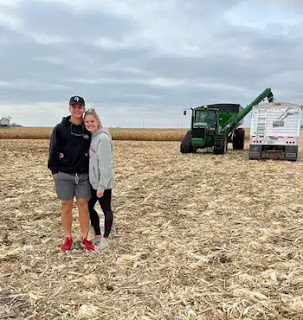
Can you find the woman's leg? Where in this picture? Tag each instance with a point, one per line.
(93, 214)
(105, 203)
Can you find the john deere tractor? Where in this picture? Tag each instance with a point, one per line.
(214, 126)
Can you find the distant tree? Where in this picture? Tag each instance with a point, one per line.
(15, 125)
(5, 122)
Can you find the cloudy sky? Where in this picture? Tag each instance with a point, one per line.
(140, 62)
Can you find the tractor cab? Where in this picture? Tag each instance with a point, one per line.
(206, 118)
(204, 126)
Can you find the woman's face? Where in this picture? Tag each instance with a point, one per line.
(91, 123)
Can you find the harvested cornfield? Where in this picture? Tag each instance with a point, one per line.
(148, 134)
(197, 236)
(117, 134)
(25, 133)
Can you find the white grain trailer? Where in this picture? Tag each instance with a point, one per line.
(275, 130)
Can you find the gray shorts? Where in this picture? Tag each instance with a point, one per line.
(70, 185)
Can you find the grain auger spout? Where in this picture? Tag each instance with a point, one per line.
(233, 122)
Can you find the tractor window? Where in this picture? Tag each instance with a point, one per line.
(208, 117)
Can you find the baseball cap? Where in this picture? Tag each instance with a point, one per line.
(76, 100)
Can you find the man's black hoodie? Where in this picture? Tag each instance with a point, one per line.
(69, 148)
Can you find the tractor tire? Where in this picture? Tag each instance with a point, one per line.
(186, 146)
(221, 150)
(239, 139)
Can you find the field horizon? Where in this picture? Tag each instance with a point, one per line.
(133, 134)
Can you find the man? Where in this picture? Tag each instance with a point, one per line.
(68, 162)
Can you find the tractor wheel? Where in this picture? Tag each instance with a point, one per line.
(221, 150)
(186, 146)
(239, 139)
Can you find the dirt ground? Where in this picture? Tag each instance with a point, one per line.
(196, 236)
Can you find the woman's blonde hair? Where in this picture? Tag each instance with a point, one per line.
(92, 112)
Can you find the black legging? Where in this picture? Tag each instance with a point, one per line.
(105, 203)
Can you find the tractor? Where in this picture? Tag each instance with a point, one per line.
(215, 125)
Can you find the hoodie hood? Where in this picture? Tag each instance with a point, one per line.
(66, 121)
(101, 130)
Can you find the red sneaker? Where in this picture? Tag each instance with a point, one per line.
(67, 245)
(88, 245)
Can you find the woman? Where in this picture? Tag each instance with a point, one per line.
(101, 176)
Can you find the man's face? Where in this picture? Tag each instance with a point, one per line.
(77, 110)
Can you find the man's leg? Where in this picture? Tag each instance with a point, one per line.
(67, 217)
(82, 205)
(83, 194)
(65, 186)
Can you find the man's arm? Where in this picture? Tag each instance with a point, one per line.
(53, 160)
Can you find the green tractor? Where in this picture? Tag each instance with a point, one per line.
(214, 126)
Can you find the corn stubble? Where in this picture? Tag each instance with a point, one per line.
(197, 236)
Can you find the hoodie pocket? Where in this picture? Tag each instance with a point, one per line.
(94, 172)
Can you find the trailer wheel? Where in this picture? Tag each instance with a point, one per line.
(255, 152)
(186, 145)
(291, 153)
(239, 139)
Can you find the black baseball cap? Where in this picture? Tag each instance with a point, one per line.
(76, 100)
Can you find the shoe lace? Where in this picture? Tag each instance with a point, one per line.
(68, 240)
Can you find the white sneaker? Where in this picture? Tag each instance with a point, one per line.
(97, 239)
(103, 243)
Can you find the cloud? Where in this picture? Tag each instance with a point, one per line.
(145, 61)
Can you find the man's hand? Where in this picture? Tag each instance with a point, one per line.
(54, 176)
(100, 193)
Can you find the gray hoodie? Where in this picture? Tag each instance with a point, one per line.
(101, 174)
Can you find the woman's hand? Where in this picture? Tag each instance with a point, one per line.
(100, 193)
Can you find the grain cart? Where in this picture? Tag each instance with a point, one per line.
(217, 124)
(275, 131)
